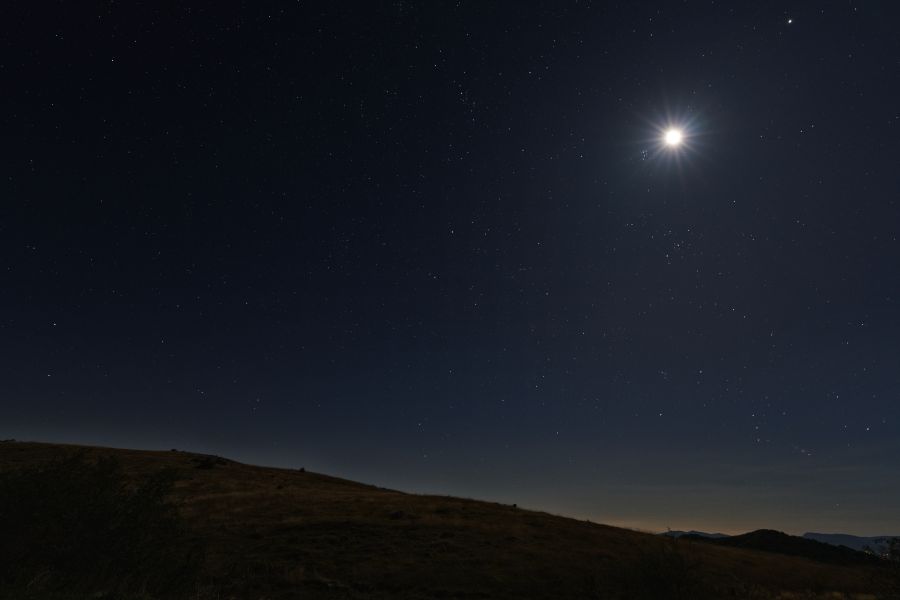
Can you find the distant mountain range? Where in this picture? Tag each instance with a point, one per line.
(678, 534)
(876, 544)
(769, 540)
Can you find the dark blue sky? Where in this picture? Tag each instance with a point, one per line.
(442, 248)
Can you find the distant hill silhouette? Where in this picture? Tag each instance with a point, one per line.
(769, 540)
(875, 543)
(675, 533)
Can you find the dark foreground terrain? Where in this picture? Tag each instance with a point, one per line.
(249, 532)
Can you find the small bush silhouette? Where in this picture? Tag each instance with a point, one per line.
(75, 529)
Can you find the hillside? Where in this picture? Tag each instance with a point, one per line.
(277, 533)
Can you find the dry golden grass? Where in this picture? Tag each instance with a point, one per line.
(277, 533)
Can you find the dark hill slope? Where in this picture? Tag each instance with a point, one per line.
(277, 533)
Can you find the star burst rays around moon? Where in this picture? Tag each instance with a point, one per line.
(672, 140)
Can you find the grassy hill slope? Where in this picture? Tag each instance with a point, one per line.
(278, 533)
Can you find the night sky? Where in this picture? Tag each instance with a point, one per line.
(443, 247)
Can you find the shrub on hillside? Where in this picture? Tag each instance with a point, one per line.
(77, 528)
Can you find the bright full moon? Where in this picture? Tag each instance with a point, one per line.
(673, 137)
